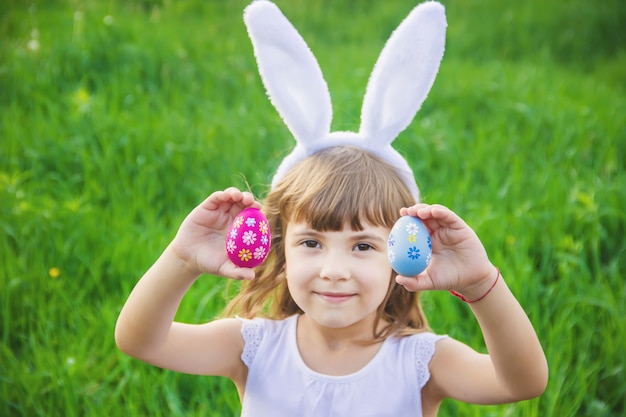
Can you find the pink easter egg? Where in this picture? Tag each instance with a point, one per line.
(248, 239)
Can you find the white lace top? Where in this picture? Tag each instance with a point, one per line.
(281, 385)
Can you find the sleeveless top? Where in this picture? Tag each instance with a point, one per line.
(280, 384)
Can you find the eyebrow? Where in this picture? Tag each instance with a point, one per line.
(306, 233)
(359, 236)
(370, 237)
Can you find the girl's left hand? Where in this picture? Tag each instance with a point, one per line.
(459, 261)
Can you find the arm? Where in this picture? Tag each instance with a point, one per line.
(146, 329)
(515, 367)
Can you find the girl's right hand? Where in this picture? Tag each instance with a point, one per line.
(201, 238)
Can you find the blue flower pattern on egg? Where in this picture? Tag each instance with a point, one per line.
(409, 248)
(413, 253)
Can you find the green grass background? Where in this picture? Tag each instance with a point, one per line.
(118, 117)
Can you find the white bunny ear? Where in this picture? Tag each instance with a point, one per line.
(403, 74)
(290, 73)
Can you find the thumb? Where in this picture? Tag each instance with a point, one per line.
(421, 282)
(229, 270)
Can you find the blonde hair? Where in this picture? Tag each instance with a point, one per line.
(329, 189)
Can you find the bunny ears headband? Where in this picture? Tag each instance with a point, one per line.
(401, 79)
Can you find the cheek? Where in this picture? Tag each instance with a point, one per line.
(382, 287)
(297, 286)
(295, 274)
(380, 283)
(291, 265)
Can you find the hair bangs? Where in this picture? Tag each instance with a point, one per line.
(350, 186)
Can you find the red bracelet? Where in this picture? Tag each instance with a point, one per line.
(456, 294)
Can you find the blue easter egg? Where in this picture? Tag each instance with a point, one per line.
(409, 248)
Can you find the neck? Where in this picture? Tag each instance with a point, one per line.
(336, 351)
(309, 331)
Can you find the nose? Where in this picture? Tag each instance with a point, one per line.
(335, 268)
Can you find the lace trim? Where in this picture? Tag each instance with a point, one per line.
(252, 333)
(424, 351)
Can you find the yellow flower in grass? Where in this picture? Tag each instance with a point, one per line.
(81, 100)
(54, 272)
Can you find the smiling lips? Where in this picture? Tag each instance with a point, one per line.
(335, 297)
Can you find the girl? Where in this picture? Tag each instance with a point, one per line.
(325, 327)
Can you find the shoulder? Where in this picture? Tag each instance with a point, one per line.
(421, 342)
(452, 361)
(422, 347)
(451, 354)
(255, 332)
(259, 326)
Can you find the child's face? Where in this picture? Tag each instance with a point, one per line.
(337, 278)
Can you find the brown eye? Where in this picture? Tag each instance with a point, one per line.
(363, 247)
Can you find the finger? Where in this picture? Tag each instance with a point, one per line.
(443, 213)
(238, 198)
(228, 198)
(416, 283)
(249, 200)
(413, 210)
(244, 274)
(230, 270)
(423, 212)
(234, 195)
(434, 211)
(217, 199)
(232, 190)
(438, 216)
